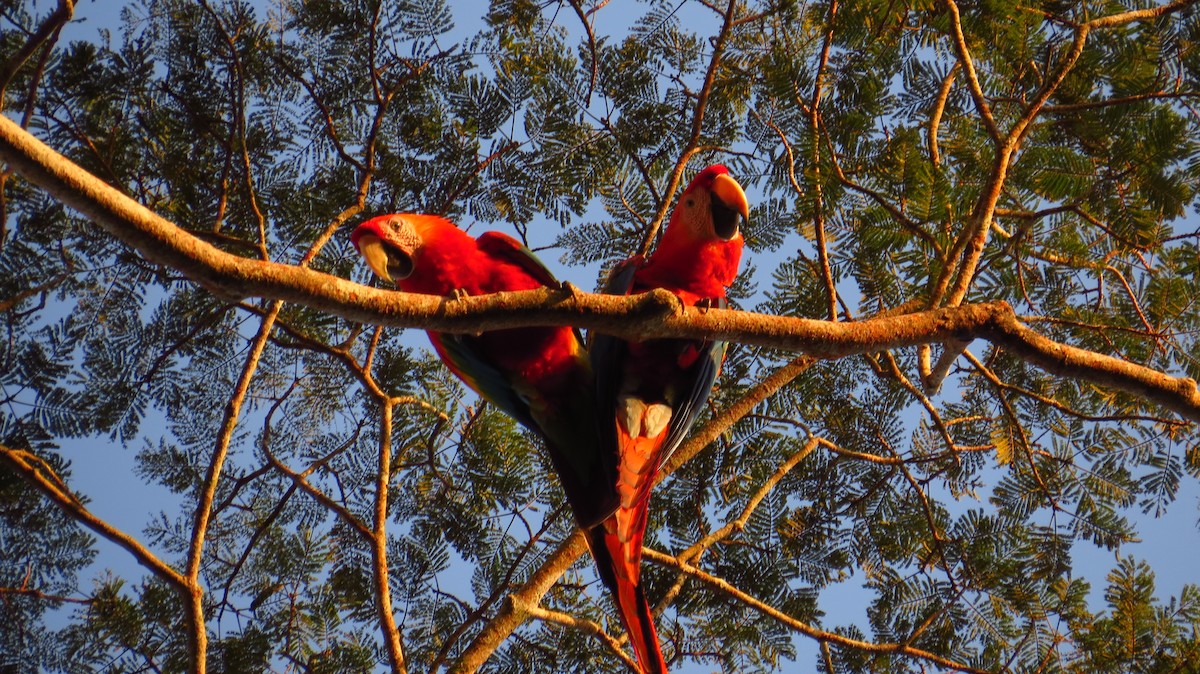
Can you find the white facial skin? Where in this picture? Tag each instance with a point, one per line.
(399, 234)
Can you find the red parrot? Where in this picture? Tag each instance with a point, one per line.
(540, 376)
(651, 392)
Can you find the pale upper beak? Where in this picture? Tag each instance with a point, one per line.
(731, 194)
(372, 249)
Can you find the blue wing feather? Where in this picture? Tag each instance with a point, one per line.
(462, 355)
(607, 354)
(706, 369)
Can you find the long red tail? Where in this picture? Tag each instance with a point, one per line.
(609, 552)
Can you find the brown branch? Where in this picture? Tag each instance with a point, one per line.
(801, 626)
(693, 143)
(38, 594)
(11, 302)
(649, 315)
(1123, 100)
(899, 376)
(379, 557)
(964, 57)
(585, 626)
(198, 634)
(591, 38)
(47, 30)
(514, 611)
(1140, 14)
(465, 182)
(319, 496)
(904, 221)
(737, 524)
(935, 117)
(973, 239)
(42, 477)
(818, 194)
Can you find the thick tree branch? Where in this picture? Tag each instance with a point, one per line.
(650, 315)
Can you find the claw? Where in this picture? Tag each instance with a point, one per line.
(459, 294)
(572, 289)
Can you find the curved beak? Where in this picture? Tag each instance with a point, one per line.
(731, 194)
(372, 250)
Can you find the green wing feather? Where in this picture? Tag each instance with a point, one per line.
(461, 353)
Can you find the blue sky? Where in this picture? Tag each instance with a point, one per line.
(104, 470)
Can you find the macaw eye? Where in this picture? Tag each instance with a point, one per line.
(725, 220)
(399, 264)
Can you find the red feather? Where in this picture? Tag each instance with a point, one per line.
(653, 390)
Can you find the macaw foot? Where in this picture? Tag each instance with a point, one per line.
(707, 303)
(572, 290)
(459, 294)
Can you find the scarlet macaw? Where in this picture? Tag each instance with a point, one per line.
(651, 392)
(540, 376)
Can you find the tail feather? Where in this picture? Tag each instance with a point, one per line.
(608, 551)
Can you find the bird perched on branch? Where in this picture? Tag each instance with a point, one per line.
(651, 392)
(540, 376)
(641, 405)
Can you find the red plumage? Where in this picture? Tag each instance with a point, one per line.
(651, 392)
(538, 375)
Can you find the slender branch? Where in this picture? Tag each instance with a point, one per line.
(1140, 14)
(198, 638)
(585, 626)
(801, 626)
(964, 57)
(38, 594)
(8, 303)
(224, 437)
(904, 221)
(48, 29)
(814, 112)
(42, 477)
(737, 524)
(319, 496)
(515, 608)
(591, 38)
(973, 239)
(693, 143)
(935, 117)
(379, 540)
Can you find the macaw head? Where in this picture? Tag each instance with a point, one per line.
(713, 206)
(392, 244)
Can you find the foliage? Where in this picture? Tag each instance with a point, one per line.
(891, 168)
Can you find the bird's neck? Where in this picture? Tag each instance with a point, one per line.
(702, 270)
